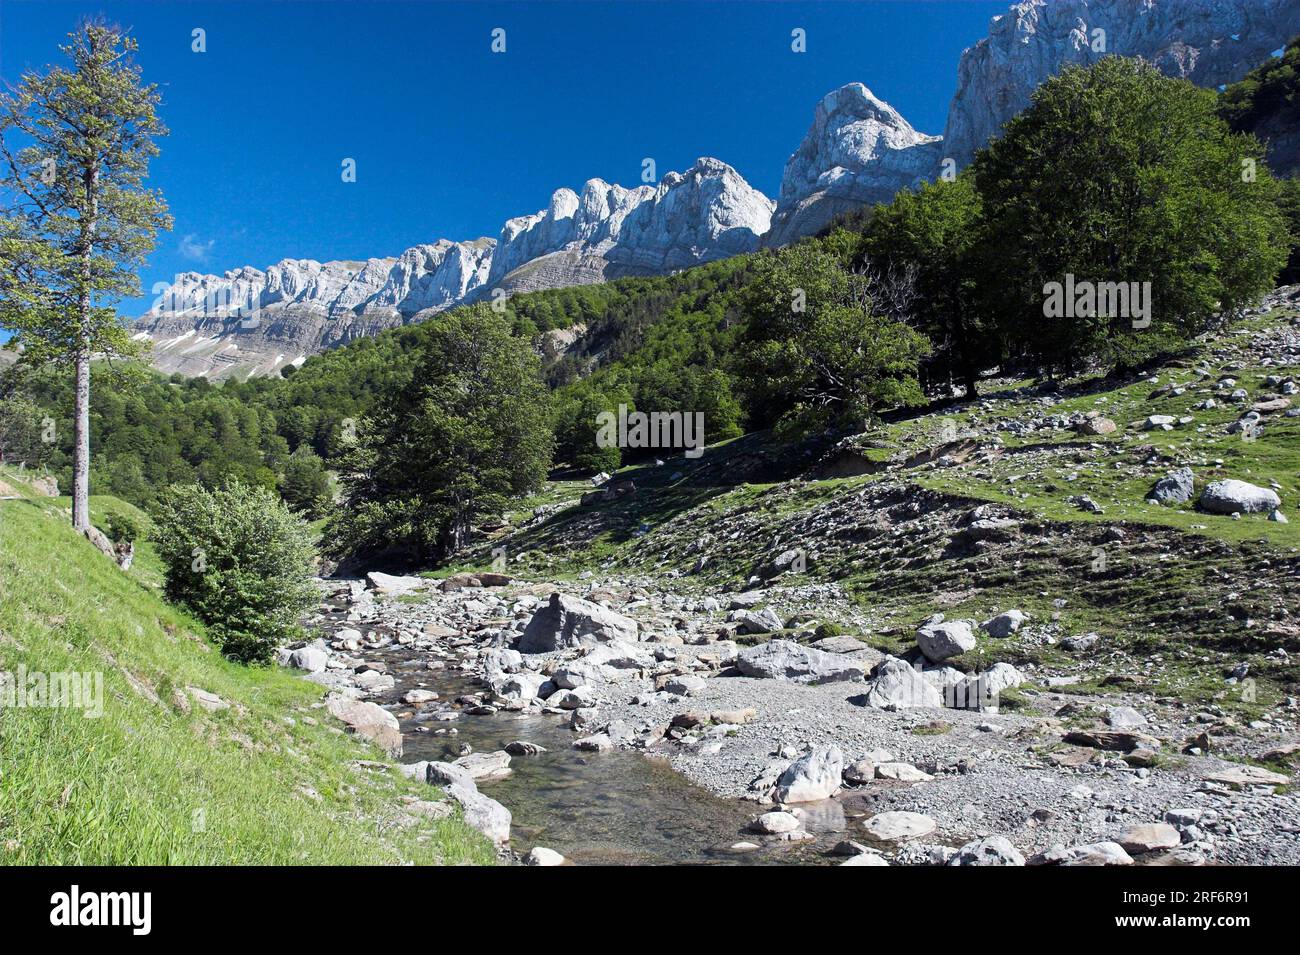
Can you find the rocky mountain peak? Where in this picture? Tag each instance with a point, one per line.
(859, 150)
(1209, 42)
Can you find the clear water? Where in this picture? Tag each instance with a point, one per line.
(616, 808)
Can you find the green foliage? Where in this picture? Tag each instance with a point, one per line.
(927, 238)
(1270, 93)
(468, 434)
(123, 527)
(817, 350)
(77, 144)
(20, 432)
(1116, 173)
(305, 486)
(149, 432)
(240, 561)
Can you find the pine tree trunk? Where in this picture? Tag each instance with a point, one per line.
(81, 444)
(81, 423)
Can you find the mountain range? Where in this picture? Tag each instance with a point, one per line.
(858, 150)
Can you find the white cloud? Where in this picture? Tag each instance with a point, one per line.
(194, 249)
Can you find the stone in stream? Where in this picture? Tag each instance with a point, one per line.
(774, 823)
(482, 813)
(893, 826)
(787, 660)
(417, 696)
(991, 850)
(369, 721)
(1149, 837)
(583, 696)
(572, 622)
(599, 743)
(524, 748)
(896, 685)
(485, 765)
(542, 856)
(947, 638)
(815, 775)
(518, 686)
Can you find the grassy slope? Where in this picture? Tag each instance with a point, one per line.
(271, 780)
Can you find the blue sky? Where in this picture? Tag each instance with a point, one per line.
(450, 139)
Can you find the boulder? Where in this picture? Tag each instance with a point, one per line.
(897, 686)
(572, 622)
(395, 586)
(518, 686)
(787, 660)
(775, 823)
(368, 720)
(1095, 426)
(1004, 624)
(1238, 497)
(1125, 718)
(756, 621)
(1149, 837)
(418, 696)
(1175, 487)
(310, 658)
(894, 826)
(1096, 853)
(485, 765)
(815, 775)
(486, 815)
(901, 772)
(542, 856)
(860, 772)
(949, 638)
(991, 850)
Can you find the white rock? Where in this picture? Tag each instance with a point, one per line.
(815, 775)
(893, 826)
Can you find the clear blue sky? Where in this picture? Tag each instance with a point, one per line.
(450, 139)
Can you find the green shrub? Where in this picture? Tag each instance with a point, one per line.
(123, 528)
(240, 561)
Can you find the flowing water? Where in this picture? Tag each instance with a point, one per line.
(605, 808)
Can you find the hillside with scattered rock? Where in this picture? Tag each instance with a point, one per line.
(1054, 625)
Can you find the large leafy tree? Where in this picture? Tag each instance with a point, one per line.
(77, 220)
(468, 433)
(819, 350)
(1117, 173)
(932, 233)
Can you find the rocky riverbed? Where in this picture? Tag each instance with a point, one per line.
(546, 698)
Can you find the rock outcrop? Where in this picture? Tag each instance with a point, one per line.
(858, 151)
(1209, 42)
(254, 321)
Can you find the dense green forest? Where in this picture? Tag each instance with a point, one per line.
(899, 304)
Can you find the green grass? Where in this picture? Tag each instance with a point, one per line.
(271, 780)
